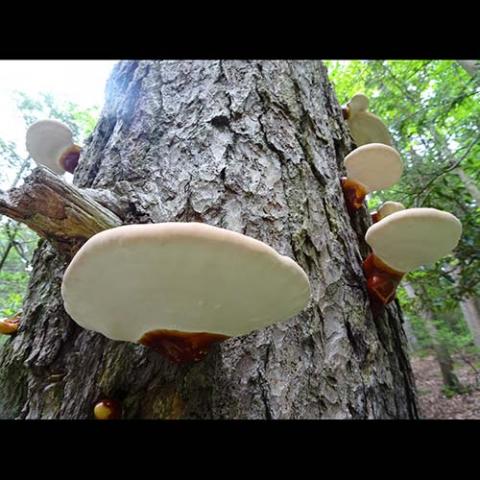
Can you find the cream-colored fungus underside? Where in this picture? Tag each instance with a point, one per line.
(189, 277)
(410, 238)
(46, 141)
(375, 165)
(358, 103)
(366, 127)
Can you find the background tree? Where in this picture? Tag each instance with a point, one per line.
(450, 380)
(253, 146)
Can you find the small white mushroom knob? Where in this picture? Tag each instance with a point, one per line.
(387, 208)
(50, 143)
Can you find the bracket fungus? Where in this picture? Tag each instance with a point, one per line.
(9, 326)
(369, 168)
(387, 208)
(107, 410)
(50, 143)
(365, 127)
(179, 288)
(402, 242)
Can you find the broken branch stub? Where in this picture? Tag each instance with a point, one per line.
(57, 211)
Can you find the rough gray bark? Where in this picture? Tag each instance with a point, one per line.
(255, 147)
(442, 354)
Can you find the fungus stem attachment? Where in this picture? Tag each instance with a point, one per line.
(69, 159)
(9, 326)
(181, 347)
(346, 112)
(355, 193)
(382, 281)
(374, 216)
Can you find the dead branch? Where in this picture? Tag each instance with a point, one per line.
(59, 212)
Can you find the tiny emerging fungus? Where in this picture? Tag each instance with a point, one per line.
(107, 410)
(369, 168)
(402, 242)
(365, 127)
(50, 143)
(9, 326)
(180, 287)
(387, 208)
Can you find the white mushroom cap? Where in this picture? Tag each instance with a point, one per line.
(387, 208)
(358, 103)
(46, 141)
(376, 166)
(366, 127)
(187, 277)
(413, 237)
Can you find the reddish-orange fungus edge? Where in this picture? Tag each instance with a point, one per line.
(69, 159)
(113, 407)
(9, 326)
(354, 193)
(382, 281)
(374, 216)
(181, 347)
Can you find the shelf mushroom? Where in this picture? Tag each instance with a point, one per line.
(369, 168)
(9, 326)
(50, 143)
(180, 287)
(402, 242)
(387, 208)
(365, 127)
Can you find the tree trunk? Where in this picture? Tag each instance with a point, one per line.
(469, 184)
(470, 66)
(470, 306)
(442, 354)
(411, 338)
(252, 146)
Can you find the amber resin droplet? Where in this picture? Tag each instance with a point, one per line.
(354, 192)
(382, 281)
(107, 409)
(9, 326)
(69, 159)
(181, 347)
